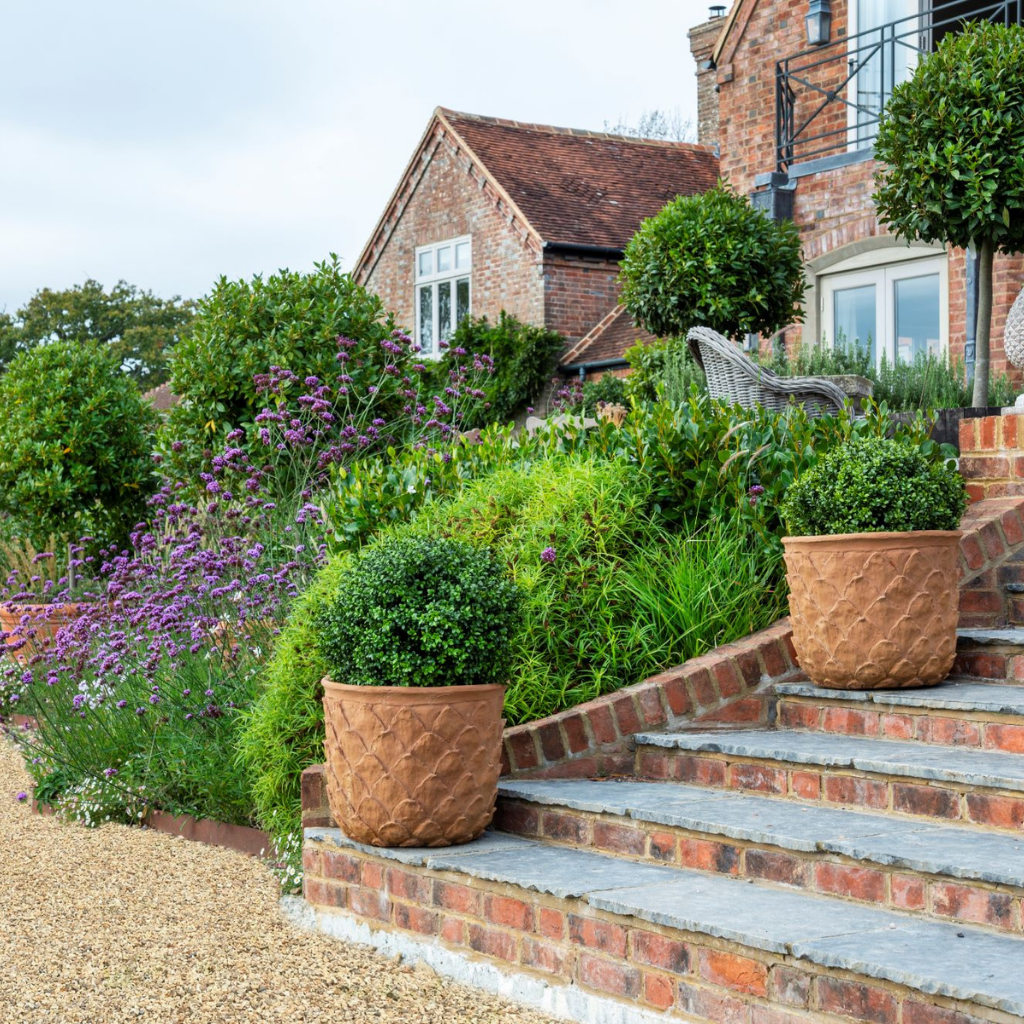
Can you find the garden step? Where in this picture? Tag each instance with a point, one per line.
(990, 654)
(617, 940)
(918, 779)
(936, 870)
(988, 715)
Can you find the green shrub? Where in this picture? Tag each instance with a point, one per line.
(713, 260)
(242, 329)
(870, 485)
(608, 389)
(419, 611)
(75, 444)
(524, 358)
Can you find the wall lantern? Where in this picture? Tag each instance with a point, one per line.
(819, 22)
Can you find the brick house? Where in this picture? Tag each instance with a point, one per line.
(794, 124)
(493, 214)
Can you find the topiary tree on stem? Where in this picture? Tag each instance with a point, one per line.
(952, 143)
(75, 445)
(713, 260)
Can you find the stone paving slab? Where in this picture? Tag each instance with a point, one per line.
(993, 698)
(415, 856)
(951, 851)
(885, 757)
(1007, 637)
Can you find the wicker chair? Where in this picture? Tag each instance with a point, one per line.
(734, 378)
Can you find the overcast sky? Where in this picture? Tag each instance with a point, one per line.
(169, 143)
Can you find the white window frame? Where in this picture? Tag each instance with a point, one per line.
(435, 278)
(866, 269)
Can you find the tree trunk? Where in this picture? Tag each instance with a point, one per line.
(984, 330)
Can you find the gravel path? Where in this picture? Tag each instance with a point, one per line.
(100, 926)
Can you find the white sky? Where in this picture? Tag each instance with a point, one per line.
(169, 143)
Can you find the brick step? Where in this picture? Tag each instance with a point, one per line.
(988, 716)
(917, 780)
(598, 938)
(942, 871)
(990, 654)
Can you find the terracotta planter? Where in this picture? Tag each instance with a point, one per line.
(45, 619)
(412, 766)
(874, 610)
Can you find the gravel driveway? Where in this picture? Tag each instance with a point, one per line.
(122, 924)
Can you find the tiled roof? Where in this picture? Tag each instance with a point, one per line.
(162, 397)
(580, 187)
(607, 340)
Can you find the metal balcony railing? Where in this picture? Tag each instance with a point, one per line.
(829, 100)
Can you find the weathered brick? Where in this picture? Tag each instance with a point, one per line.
(896, 726)
(659, 991)
(846, 880)
(325, 894)
(805, 785)
(453, 930)
(341, 867)
(966, 903)
(602, 724)
(999, 811)
(925, 800)
(758, 777)
(701, 771)
(708, 855)
(850, 722)
(974, 555)
(550, 923)
(523, 748)
(703, 686)
(455, 897)
(852, 999)
(601, 935)
(727, 675)
(492, 942)
(1013, 527)
(609, 976)
(739, 973)
(416, 919)
(626, 714)
(568, 828)
(508, 912)
(799, 715)
(621, 839)
(575, 733)
(407, 885)
(924, 1013)
(369, 903)
(656, 950)
(543, 956)
(750, 668)
(648, 702)
(789, 985)
(373, 875)
(551, 743)
(773, 866)
(908, 892)
(663, 846)
(515, 816)
(677, 695)
(1005, 737)
(848, 789)
(708, 1004)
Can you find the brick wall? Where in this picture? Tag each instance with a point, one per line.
(578, 293)
(445, 197)
(702, 43)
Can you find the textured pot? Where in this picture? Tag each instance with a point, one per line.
(874, 610)
(44, 619)
(412, 766)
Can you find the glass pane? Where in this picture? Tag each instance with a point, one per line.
(444, 309)
(426, 264)
(444, 258)
(462, 256)
(461, 298)
(427, 318)
(854, 317)
(917, 317)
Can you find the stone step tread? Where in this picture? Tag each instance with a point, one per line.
(948, 850)
(956, 961)
(887, 757)
(994, 698)
(1007, 636)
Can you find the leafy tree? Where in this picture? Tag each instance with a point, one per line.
(713, 260)
(140, 328)
(241, 329)
(952, 141)
(75, 443)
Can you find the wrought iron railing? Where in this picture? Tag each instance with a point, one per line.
(829, 100)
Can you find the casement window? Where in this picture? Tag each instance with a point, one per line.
(900, 307)
(443, 272)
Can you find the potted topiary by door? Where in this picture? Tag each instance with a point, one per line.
(418, 642)
(871, 563)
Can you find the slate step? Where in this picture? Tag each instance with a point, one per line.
(978, 787)
(996, 654)
(659, 938)
(943, 871)
(964, 713)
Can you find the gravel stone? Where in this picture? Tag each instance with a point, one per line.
(118, 924)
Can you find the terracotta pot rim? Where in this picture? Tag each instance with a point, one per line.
(411, 694)
(890, 538)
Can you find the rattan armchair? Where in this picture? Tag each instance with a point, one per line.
(735, 378)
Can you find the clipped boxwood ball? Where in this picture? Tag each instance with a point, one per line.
(420, 612)
(873, 485)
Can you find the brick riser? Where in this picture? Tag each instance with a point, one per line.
(944, 801)
(639, 965)
(953, 728)
(1002, 664)
(945, 899)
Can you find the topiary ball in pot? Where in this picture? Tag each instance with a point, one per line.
(418, 641)
(871, 563)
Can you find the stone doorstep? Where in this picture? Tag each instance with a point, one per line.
(954, 694)
(928, 869)
(637, 931)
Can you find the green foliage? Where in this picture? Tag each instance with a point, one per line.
(244, 328)
(524, 358)
(419, 611)
(713, 260)
(75, 443)
(608, 389)
(662, 369)
(874, 484)
(952, 140)
(140, 328)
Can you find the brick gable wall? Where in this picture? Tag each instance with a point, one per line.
(578, 293)
(832, 208)
(451, 197)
